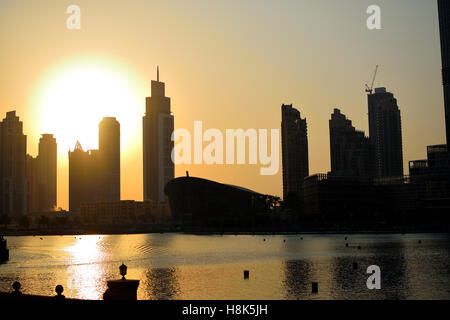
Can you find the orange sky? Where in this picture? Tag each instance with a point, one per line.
(229, 63)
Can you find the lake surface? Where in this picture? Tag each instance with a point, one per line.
(180, 266)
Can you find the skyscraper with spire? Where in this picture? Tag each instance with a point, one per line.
(83, 177)
(157, 142)
(94, 175)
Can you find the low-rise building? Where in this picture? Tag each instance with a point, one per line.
(334, 198)
(200, 202)
(124, 212)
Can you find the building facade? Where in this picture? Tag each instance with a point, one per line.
(294, 141)
(158, 125)
(13, 176)
(124, 212)
(339, 198)
(47, 172)
(351, 152)
(385, 131)
(109, 148)
(80, 181)
(444, 28)
(200, 202)
(94, 175)
(436, 164)
(33, 187)
(42, 176)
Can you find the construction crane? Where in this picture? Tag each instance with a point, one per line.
(370, 90)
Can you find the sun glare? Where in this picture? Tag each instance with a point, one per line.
(78, 96)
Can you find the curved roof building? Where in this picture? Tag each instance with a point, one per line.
(204, 201)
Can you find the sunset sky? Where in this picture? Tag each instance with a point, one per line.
(229, 63)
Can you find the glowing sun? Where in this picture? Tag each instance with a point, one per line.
(75, 98)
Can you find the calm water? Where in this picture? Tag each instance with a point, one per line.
(179, 266)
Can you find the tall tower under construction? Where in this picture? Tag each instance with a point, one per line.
(385, 131)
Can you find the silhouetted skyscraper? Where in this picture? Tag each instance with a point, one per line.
(41, 176)
(47, 168)
(385, 132)
(94, 175)
(157, 143)
(13, 179)
(109, 148)
(444, 27)
(294, 140)
(351, 152)
(79, 177)
(33, 187)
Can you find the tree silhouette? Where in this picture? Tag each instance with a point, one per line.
(5, 220)
(24, 221)
(44, 221)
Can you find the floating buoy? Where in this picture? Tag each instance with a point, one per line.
(315, 287)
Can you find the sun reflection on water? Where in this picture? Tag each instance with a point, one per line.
(87, 273)
(87, 249)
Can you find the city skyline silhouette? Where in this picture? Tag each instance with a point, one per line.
(244, 91)
(224, 150)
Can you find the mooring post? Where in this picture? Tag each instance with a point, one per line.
(16, 286)
(122, 289)
(59, 290)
